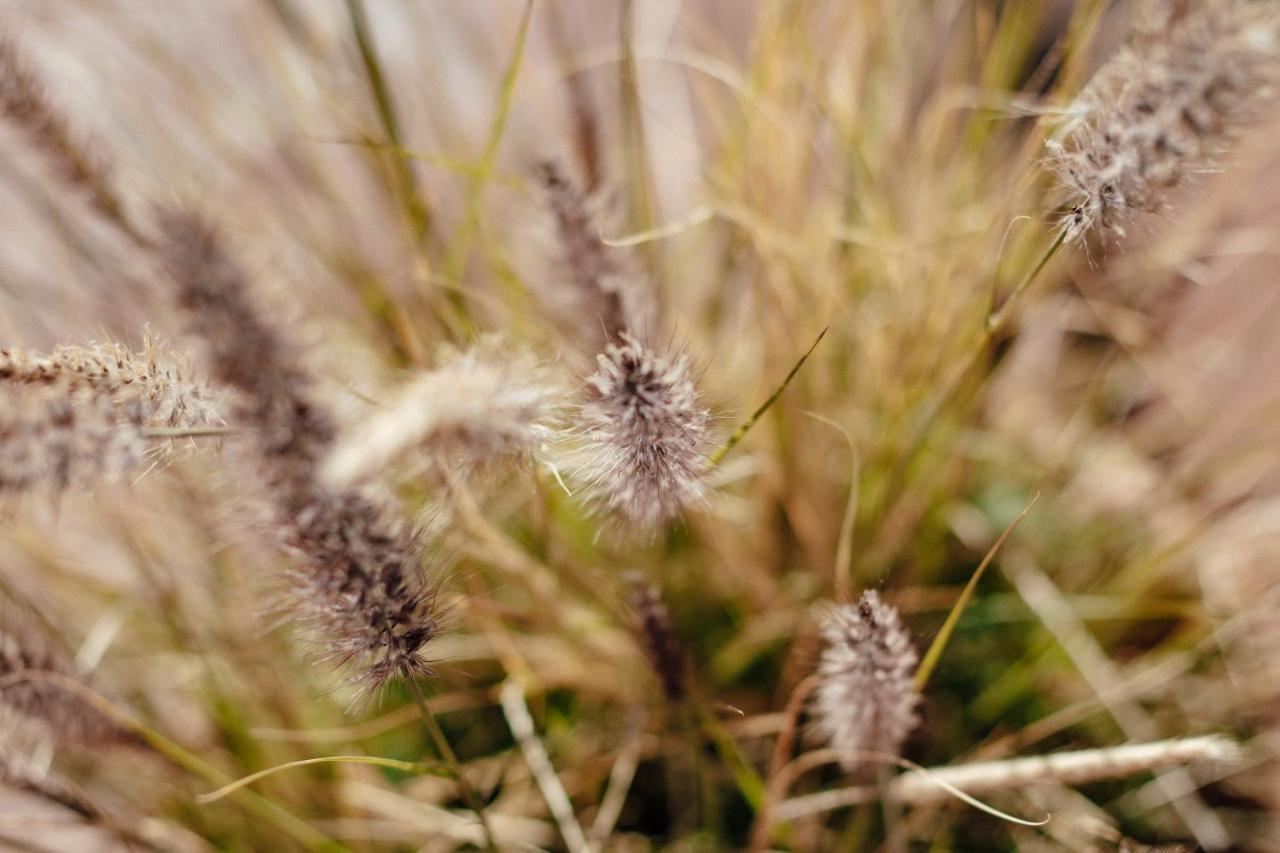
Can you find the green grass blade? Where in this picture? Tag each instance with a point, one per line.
(741, 431)
(394, 764)
(939, 643)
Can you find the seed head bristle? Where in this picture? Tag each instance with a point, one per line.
(658, 635)
(604, 290)
(865, 698)
(645, 433)
(1162, 109)
(477, 408)
(48, 441)
(358, 580)
(159, 383)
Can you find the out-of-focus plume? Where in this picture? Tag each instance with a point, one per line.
(478, 407)
(658, 635)
(598, 284)
(865, 699)
(49, 442)
(645, 433)
(1162, 109)
(246, 352)
(25, 105)
(66, 716)
(358, 580)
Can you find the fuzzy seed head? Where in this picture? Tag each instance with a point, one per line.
(358, 575)
(245, 351)
(357, 584)
(25, 105)
(645, 434)
(50, 442)
(661, 643)
(477, 408)
(604, 293)
(158, 383)
(865, 699)
(1162, 109)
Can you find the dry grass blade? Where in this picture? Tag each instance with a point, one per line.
(517, 713)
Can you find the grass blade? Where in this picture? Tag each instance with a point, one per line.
(741, 431)
(948, 627)
(406, 766)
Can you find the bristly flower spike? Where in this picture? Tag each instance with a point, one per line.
(1162, 109)
(662, 645)
(645, 432)
(865, 699)
(159, 383)
(605, 290)
(477, 408)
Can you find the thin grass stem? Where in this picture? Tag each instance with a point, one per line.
(451, 759)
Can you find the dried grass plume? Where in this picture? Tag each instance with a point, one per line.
(478, 407)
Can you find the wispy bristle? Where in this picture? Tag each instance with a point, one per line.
(358, 582)
(1162, 109)
(479, 407)
(865, 699)
(26, 649)
(159, 383)
(661, 642)
(48, 442)
(604, 290)
(645, 433)
(24, 104)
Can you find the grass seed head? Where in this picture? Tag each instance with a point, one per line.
(1162, 109)
(68, 718)
(51, 442)
(646, 433)
(160, 383)
(479, 407)
(866, 698)
(662, 644)
(601, 287)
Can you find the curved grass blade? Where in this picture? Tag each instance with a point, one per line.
(948, 627)
(406, 766)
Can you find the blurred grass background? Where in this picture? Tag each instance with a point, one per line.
(868, 165)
